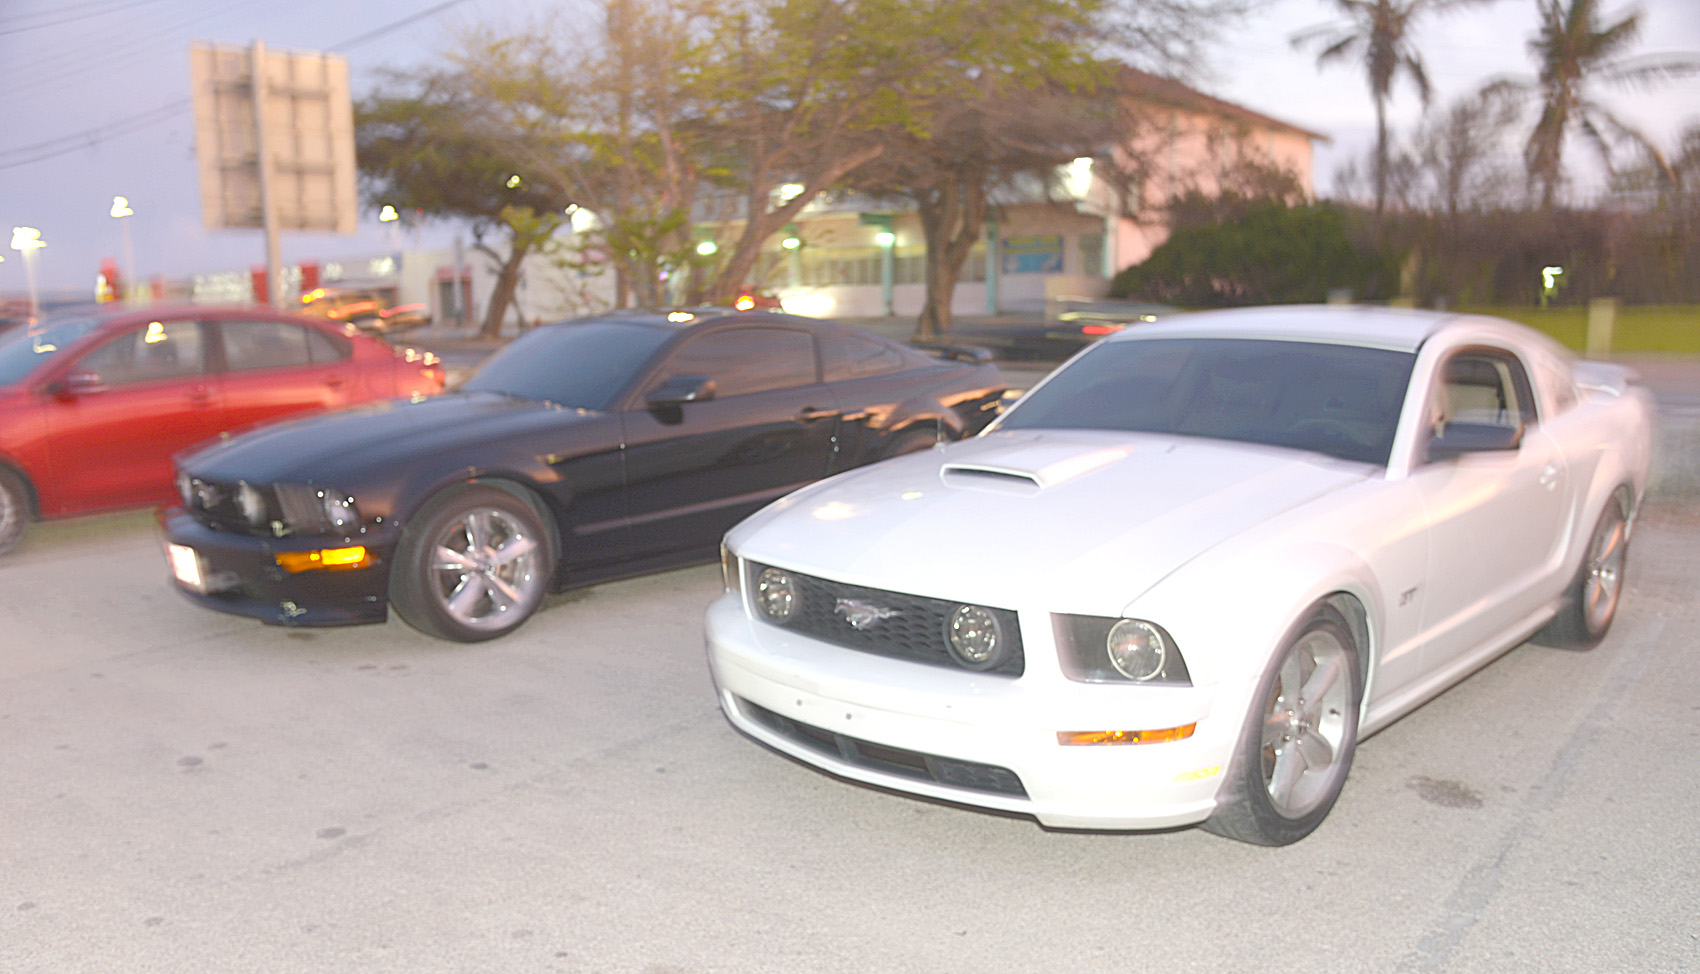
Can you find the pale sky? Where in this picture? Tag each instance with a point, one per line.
(94, 104)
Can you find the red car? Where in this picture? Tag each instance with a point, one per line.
(95, 402)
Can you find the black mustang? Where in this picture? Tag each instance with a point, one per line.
(586, 450)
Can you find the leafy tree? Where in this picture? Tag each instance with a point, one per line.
(1021, 95)
(1272, 254)
(1379, 32)
(427, 151)
(969, 148)
(1574, 50)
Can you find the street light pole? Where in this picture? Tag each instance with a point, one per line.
(121, 210)
(27, 240)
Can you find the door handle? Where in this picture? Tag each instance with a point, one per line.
(199, 395)
(810, 414)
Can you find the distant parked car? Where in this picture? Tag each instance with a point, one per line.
(583, 451)
(1181, 579)
(371, 310)
(94, 402)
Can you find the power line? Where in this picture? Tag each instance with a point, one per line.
(71, 18)
(375, 34)
(90, 138)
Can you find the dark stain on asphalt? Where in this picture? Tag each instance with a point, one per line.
(334, 832)
(189, 762)
(1446, 794)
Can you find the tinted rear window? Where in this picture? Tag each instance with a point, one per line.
(580, 365)
(1340, 400)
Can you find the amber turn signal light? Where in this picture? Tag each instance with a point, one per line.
(1067, 738)
(295, 562)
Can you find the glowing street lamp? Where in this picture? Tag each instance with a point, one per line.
(120, 210)
(27, 240)
(388, 214)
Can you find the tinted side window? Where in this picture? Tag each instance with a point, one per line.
(264, 345)
(745, 360)
(855, 357)
(157, 350)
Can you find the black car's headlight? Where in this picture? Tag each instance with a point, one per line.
(309, 509)
(1098, 649)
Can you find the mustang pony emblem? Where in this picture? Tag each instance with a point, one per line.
(861, 615)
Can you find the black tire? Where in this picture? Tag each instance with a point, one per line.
(14, 509)
(474, 564)
(1590, 604)
(910, 441)
(1299, 736)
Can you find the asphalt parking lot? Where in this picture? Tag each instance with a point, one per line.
(184, 791)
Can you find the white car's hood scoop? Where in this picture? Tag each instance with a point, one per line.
(1031, 466)
(1066, 517)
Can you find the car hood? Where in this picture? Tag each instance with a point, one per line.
(1084, 521)
(373, 436)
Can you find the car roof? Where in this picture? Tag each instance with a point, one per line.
(113, 311)
(1396, 329)
(680, 319)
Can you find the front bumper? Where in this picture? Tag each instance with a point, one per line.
(971, 739)
(242, 576)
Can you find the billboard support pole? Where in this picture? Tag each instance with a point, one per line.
(268, 202)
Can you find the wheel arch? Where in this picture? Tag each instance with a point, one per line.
(32, 500)
(1270, 605)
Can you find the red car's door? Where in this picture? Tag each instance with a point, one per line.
(117, 416)
(275, 369)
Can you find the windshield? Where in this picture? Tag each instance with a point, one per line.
(23, 350)
(581, 365)
(1339, 400)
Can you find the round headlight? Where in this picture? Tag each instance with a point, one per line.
(976, 637)
(1136, 649)
(776, 594)
(340, 512)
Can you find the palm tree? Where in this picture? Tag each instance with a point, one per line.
(1572, 49)
(1378, 31)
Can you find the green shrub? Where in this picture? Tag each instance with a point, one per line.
(1272, 254)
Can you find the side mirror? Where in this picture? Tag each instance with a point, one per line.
(1458, 439)
(77, 384)
(681, 389)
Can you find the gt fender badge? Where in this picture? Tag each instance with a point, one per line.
(863, 615)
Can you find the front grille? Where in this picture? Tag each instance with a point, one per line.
(912, 628)
(967, 775)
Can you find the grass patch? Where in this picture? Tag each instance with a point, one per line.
(1637, 329)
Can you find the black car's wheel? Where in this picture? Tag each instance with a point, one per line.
(14, 509)
(473, 565)
(1298, 740)
(1591, 603)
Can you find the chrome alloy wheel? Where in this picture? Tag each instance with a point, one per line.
(1602, 579)
(1305, 724)
(485, 567)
